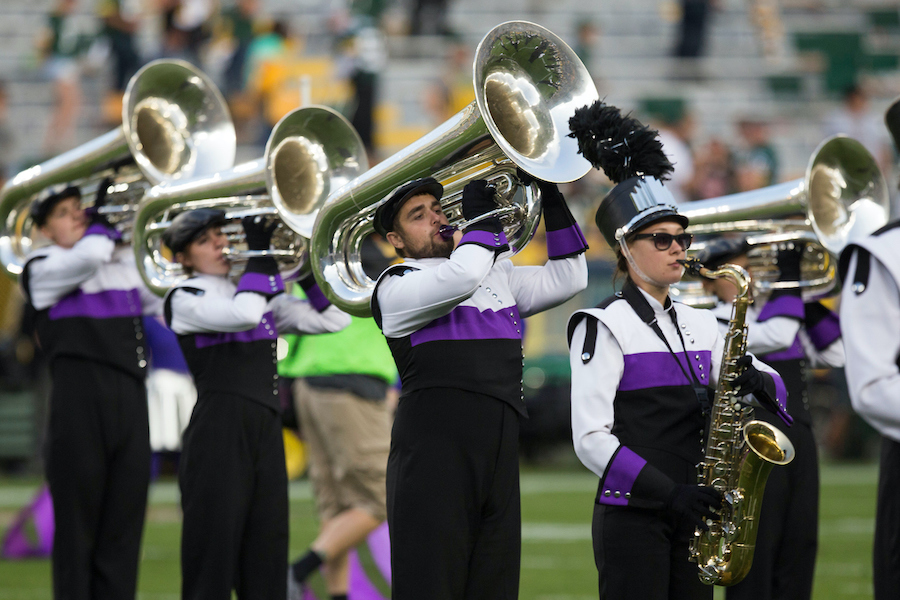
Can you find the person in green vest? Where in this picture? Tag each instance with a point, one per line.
(342, 381)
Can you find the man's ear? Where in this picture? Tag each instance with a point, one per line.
(395, 240)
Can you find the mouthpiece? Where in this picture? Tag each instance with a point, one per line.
(693, 266)
(447, 231)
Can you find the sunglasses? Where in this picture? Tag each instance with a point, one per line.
(663, 241)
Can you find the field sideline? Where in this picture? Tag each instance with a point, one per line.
(557, 563)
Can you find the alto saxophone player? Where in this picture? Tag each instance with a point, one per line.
(791, 336)
(643, 373)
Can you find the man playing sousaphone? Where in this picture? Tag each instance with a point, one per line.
(452, 315)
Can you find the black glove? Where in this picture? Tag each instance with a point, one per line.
(750, 379)
(789, 262)
(93, 213)
(546, 187)
(695, 503)
(477, 199)
(258, 232)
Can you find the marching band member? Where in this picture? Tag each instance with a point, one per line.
(232, 473)
(643, 374)
(790, 337)
(89, 300)
(870, 318)
(452, 315)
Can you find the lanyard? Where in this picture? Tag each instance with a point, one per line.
(645, 312)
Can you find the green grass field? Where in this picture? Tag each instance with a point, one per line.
(557, 563)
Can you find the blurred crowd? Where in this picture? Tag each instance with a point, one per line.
(264, 70)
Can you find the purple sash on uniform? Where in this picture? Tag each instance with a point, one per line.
(102, 305)
(264, 331)
(469, 323)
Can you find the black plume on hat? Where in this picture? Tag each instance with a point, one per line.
(620, 145)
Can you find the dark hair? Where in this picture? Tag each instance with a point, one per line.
(621, 267)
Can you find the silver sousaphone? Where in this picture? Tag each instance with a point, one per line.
(842, 198)
(175, 125)
(528, 83)
(311, 151)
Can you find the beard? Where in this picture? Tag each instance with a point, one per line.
(435, 247)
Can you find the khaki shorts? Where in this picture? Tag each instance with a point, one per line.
(348, 440)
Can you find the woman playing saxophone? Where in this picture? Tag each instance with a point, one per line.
(643, 374)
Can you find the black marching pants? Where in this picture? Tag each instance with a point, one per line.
(886, 555)
(234, 497)
(98, 470)
(453, 497)
(643, 553)
(784, 561)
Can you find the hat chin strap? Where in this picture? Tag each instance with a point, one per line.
(627, 253)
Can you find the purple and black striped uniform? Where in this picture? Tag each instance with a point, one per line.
(631, 402)
(89, 301)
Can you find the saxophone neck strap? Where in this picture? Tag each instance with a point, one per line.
(645, 312)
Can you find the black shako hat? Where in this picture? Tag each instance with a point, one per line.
(43, 206)
(634, 204)
(189, 225)
(892, 120)
(388, 209)
(632, 157)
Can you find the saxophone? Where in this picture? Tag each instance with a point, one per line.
(739, 454)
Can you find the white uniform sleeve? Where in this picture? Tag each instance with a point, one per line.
(539, 288)
(211, 313)
(772, 335)
(63, 270)
(870, 323)
(294, 315)
(832, 356)
(422, 295)
(594, 388)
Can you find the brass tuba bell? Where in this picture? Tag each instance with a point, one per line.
(175, 125)
(843, 197)
(311, 151)
(528, 83)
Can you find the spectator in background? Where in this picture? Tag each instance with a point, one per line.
(713, 171)
(675, 126)
(429, 17)
(61, 45)
(757, 161)
(272, 44)
(237, 23)
(693, 27)
(120, 24)
(362, 57)
(855, 119)
(452, 91)
(587, 33)
(186, 28)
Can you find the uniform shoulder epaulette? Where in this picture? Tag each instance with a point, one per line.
(863, 264)
(167, 301)
(399, 270)
(590, 335)
(607, 301)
